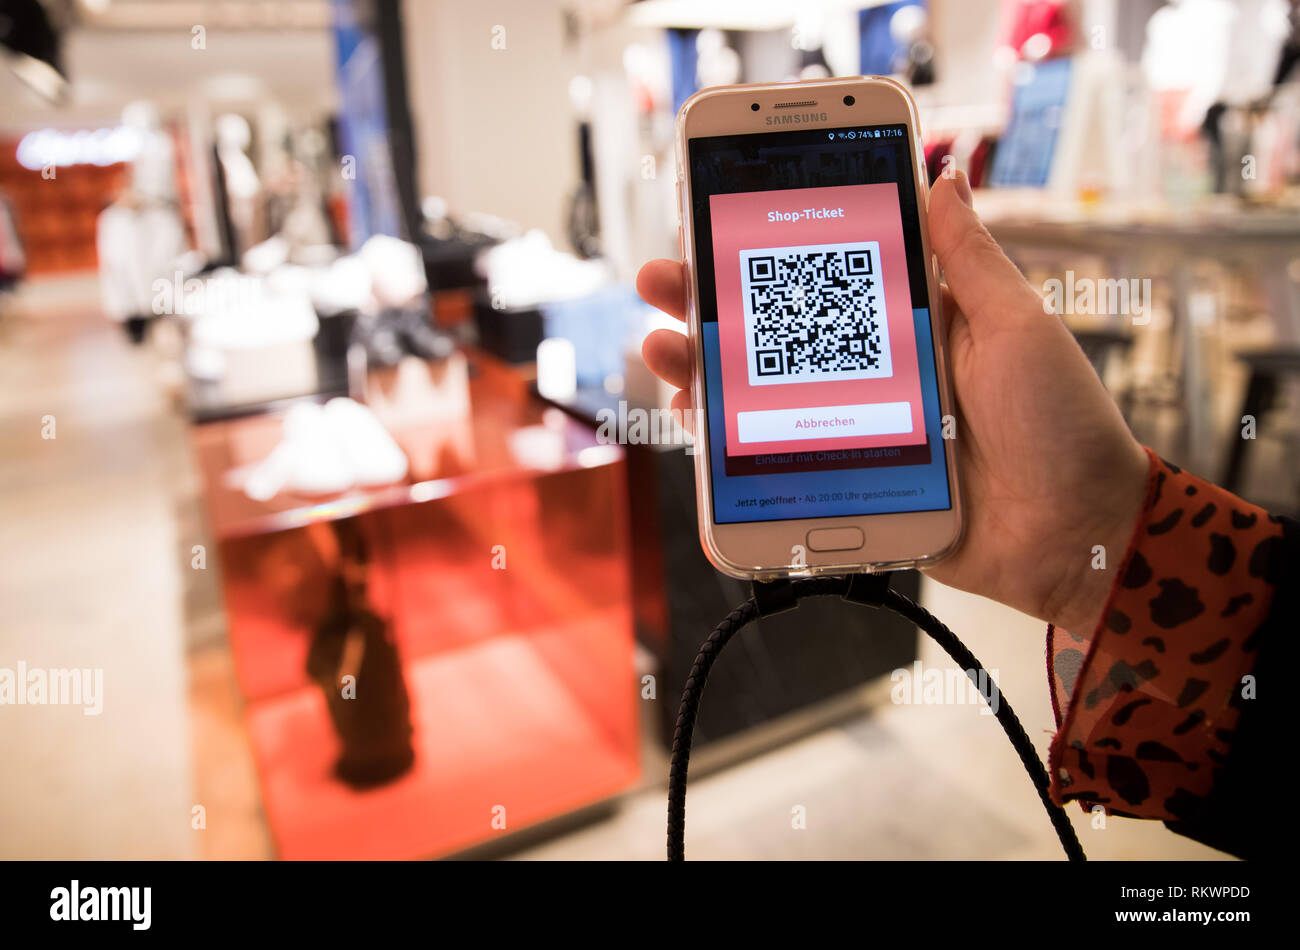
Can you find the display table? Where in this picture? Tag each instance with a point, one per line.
(501, 569)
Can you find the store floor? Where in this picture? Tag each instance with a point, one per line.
(898, 782)
(96, 526)
(91, 580)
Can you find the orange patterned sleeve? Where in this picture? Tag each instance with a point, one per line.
(1148, 704)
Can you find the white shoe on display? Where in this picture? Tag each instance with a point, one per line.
(265, 257)
(319, 466)
(396, 270)
(289, 279)
(345, 285)
(232, 312)
(325, 451)
(307, 460)
(269, 476)
(367, 448)
(528, 270)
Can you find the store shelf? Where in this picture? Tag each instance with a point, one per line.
(57, 217)
(496, 724)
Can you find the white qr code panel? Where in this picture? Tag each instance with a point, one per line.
(815, 313)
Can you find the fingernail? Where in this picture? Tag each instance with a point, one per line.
(963, 190)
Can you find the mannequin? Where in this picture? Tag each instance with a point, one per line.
(1186, 51)
(1203, 77)
(305, 224)
(140, 235)
(242, 185)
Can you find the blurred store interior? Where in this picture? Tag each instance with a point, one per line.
(310, 311)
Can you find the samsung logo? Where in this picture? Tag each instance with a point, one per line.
(797, 118)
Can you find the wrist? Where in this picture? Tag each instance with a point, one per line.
(1101, 548)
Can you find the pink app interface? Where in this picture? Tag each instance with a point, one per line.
(815, 324)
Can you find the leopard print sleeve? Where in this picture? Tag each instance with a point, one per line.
(1149, 704)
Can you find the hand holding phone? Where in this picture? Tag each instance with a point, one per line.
(1049, 468)
(821, 380)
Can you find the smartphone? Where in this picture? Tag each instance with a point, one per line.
(824, 415)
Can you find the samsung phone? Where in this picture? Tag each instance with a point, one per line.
(824, 415)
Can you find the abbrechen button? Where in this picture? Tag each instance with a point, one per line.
(835, 539)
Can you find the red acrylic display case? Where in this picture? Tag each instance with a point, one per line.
(501, 566)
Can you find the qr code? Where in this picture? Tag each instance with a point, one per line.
(815, 313)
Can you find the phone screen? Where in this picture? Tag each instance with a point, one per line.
(819, 370)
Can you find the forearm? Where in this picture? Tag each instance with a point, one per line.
(1151, 697)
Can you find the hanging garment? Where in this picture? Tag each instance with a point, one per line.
(137, 245)
(1047, 18)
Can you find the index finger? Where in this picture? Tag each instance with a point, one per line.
(662, 284)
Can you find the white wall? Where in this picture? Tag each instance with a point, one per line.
(236, 69)
(965, 36)
(494, 130)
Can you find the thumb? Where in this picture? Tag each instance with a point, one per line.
(988, 288)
